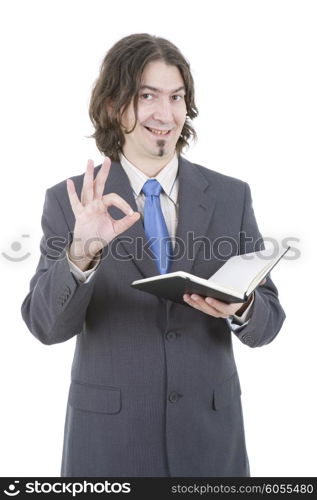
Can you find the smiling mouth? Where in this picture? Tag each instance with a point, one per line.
(158, 131)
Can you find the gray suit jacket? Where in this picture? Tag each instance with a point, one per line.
(155, 389)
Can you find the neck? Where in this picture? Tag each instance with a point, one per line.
(150, 166)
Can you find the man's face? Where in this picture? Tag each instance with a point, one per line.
(161, 114)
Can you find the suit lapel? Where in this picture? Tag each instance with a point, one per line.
(133, 240)
(195, 211)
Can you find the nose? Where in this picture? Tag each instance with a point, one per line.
(163, 111)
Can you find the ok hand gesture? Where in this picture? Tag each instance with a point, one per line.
(94, 227)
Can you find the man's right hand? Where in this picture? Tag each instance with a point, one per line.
(94, 227)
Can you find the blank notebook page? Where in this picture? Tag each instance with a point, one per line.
(239, 271)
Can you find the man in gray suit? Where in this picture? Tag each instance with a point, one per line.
(154, 385)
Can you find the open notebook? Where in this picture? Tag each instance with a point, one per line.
(233, 282)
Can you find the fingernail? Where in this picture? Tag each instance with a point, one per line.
(131, 212)
(209, 300)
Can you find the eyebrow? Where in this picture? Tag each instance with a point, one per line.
(154, 89)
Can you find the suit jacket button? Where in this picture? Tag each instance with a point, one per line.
(174, 397)
(170, 336)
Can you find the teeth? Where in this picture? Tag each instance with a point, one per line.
(159, 132)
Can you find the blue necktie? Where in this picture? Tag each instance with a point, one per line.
(155, 226)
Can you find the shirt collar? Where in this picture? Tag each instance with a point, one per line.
(166, 177)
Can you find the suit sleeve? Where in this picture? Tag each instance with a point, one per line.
(54, 309)
(267, 315)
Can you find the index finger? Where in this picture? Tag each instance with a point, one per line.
(117, 201)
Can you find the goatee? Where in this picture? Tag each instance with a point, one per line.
(161, 145)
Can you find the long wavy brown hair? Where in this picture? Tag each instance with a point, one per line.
(119, 82)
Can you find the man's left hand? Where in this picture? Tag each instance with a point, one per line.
(215, 307)
(211, 306)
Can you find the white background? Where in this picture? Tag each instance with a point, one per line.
(254, 63)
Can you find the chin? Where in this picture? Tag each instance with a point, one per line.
(162, 153)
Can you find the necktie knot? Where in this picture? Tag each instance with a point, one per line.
(152, 188)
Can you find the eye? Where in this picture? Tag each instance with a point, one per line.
(177, 97)
(146, 97)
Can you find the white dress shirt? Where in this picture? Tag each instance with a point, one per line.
(168, 179)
